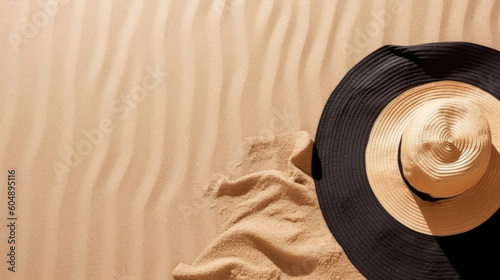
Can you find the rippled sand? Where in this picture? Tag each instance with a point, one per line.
(116, 114)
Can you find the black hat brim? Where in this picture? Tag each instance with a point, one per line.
(378, 245)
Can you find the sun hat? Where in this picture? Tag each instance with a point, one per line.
(406, 162)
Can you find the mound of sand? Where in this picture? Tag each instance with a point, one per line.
(270, 221)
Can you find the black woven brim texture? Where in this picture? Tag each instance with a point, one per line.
(378, 245)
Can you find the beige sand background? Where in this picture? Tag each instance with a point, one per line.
(115, 114)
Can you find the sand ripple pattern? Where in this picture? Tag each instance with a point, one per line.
(116, 114)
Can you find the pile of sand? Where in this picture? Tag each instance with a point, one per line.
(270, 221)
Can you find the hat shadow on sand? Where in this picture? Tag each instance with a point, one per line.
(472, 253)
(316, 171)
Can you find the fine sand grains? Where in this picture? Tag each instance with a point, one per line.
(271, 226)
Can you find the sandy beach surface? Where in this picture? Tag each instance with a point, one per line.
(115, 116)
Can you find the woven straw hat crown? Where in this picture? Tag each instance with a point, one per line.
(445, 147)
(406, 162)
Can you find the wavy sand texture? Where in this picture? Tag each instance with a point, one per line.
(116, 113)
